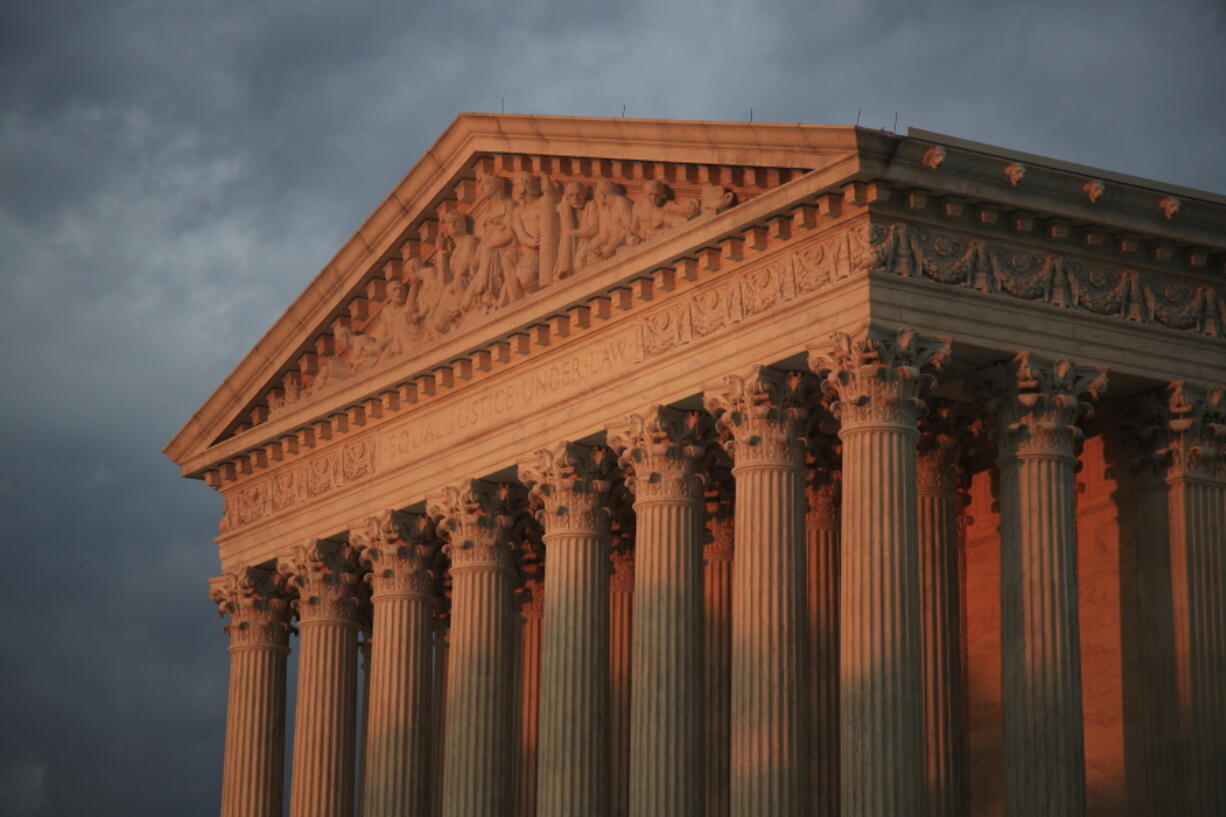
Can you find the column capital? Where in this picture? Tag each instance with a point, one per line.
(876, 376)
(1181, 430)
(400, 550)
(325, 574)
(947, 430)
(1038, 404)
(258, 605)
(659, 449)
(761, 414)
(475, 518)
(721, 516)
(824, 483)
(568, 484)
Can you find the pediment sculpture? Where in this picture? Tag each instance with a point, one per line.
(521, 234)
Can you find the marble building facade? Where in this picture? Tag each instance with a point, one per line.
(636, 468)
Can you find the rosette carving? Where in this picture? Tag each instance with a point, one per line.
(257, 603)
(568, 486)
(1182, 430)
(476, 519)
(401, 552)
(325, 574)
(761, 415)
(1038, 404)
(659, 449)
(877, 377)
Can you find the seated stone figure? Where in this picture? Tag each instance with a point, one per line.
(615, 211)
(495, 260)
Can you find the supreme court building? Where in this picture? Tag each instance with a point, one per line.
(635, 468)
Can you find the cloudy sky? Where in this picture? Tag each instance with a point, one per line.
(172, 174)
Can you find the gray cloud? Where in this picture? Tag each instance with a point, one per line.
(171, 175)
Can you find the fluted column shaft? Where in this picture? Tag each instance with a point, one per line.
(822, 532)
(666, 686)
(476, 773)
(760, 415)
(569, 483)
(621, 622)
(1182, 517)
(876, 378)
(1040, 634)
(396, 758)
(717, 654)
(529, 697)
(438, 711)
(939, 502)
(254, 761)
(325, 719)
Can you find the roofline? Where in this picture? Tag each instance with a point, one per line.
(1069, 167)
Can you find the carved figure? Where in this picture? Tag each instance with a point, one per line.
(535, 224)
(615, 213)
(495, 262)
(457, 258)
(715, 199)
(578, 225)
(1015, 172)
(934, 155)
(655, 213)
(404, 325)
(1094, 190)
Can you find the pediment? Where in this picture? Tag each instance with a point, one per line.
(503, 217)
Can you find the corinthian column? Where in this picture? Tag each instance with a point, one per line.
(400, 551)
(1037, 407)
(822, 536)
(1183, 556)
(760, 415)
(325, 721)
(254, 762)
(621, 618)
(568, 483)
(475, 519)
(659, 450)
(876, 380)
(717, 646)
(941, 494)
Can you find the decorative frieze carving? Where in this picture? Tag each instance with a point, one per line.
(401, 552)
(1038, 405)
(325, 575)
(257, 603)
(659, 450)
(1072, 283)
(567, 485)
(778, 281)
(476, 519)
(876, 376)
(1182, 430)
(760, 414)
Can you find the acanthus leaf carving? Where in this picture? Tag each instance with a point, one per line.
(761, 414)
(568, 485)
(877, 376)
(258, 605)
(401, 552)
(325, 575)
(476, 519)
(824, 481)
(659, 449)
(1038, 404)
(947, 431)
(1181, 430)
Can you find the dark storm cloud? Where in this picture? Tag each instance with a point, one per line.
(171, 175)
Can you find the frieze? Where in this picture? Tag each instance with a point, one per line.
(759, 289)
(1072, 283)
(423, 434)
